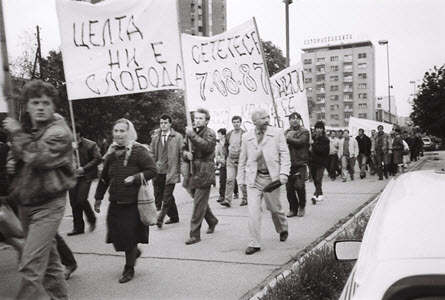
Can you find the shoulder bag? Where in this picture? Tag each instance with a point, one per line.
(146, 203)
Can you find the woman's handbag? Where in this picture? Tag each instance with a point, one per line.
(10, 224)
(146, 203)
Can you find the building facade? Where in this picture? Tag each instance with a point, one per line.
(340, 79)
(203, 17)
(382, 113)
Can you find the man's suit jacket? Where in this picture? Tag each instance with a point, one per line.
(275, 152)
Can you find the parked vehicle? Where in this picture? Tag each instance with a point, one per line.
(402, 253)
(428, 144)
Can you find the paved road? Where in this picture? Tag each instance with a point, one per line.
(215, 268)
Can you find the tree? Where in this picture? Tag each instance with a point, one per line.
(275, 60)
(429, 103)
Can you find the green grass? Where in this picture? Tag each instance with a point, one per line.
(320, 276)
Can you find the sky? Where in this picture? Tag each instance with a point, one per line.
(414, 29)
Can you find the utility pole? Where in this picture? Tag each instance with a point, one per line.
(39, 52)
(286, 4)
(7, 84)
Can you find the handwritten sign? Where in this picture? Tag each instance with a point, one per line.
(119, 47)
(226, 69)
(219, 118)
(290, 95)
(367, 125)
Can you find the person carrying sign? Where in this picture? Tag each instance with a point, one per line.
(201, 158)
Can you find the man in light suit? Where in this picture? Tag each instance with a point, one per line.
(264, 158)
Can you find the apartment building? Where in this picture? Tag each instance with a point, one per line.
(203, 17)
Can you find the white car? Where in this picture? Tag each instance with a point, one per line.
(402, 255)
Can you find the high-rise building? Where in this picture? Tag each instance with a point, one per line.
(203, 17)
(340, 79)
(382, 112)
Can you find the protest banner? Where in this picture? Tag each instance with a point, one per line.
(290, 95)
(120, 47)
(226, 69)
(367, 125)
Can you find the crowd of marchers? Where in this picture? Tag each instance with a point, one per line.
(40, 165)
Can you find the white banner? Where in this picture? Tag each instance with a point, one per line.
(119, 47)
(290, 94)
(367, 125)
(225, 69)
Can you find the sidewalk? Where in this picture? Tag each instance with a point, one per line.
(215, 268)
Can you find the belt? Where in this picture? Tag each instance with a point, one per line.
(263, 172)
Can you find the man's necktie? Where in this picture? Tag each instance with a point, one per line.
(164, 139)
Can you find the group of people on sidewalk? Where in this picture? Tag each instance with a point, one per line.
(46, 168)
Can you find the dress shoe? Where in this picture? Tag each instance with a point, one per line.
(127, 275)
(344, 180)
(314, 199)
(291, 214)
(225, 203)
(69, 270)
(92, 226)
(243, 203)
(172, 221)
(193, 240)
(220, 199)
(252, 250)
(301, 212)
(283, 236)
(159, 224)
(352, 177)
(380, 178)
(212, 227)
(75, 232)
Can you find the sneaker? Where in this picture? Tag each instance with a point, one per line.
(314, 199)
(301, 212)
(320, 198)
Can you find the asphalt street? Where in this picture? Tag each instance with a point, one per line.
(215, 268)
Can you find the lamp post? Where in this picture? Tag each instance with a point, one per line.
(414, 86)
(286, 5)
(385, 42)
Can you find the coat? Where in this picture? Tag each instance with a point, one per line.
(203, 164)
(174, 155)
(275, 152)
(298, 143)
(320, 151)
(364, 144)
(90, 158)
(44, 169)
(397, 149)
(353, 148)
(386, 143)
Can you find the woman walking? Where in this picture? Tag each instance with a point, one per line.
(125, 163)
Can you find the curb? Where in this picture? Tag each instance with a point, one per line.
(368, 206)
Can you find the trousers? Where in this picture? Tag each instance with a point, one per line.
(296, 184)
(79, 204)
(255, 196)
(164, 194)
(201, 211)
(232, 171)
(40, 262)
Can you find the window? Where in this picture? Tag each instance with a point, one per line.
(379, 105)
(363, 96)
(320, 69)
(334, 58)
(321, 116)
(334, 78)
(347, 88)
(309, 98)
(363, 116)
(333, 97)
(320, 60)
(362, 76)
(334, 68)
(320, 108)
(307, 80)
(320, 89)
(348, 97)
(348, 57)
(347, 68)
(347, 78)
(362, 106)
(362, 65)
(309, 90)
(348, 115)
(334, 117)
(335, 107)
(334, 88)
(307, 61)
(362, 55)
(362, 85)
(320, 98)
(307, 71)
(349, 107)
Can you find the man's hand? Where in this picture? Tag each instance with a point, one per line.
(80, 172)
(372, 153)
(283, 179)
(11, 125)
(188, 155)
(97, 206)
(129, 179)
(189, 131)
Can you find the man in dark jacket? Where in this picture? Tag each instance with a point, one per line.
(319, 160)
(199, 182)
(166, 147)
(87, 171)
(297, 138)
(364, 151)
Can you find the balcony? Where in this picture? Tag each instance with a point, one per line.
(321, 102)
(321, 72)
(347, 70)
(347, 60)
(348, 90)
(348, 109)
(347, 79)
(347, 100)
(321, 92)
(320, 63)
(321, 82)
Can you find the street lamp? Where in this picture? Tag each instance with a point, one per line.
(414, 85)
(286, 5)
(385, 42)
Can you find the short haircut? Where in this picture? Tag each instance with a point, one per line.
(203, 111)
(346, 130)
(380, 126)
(79, 129)
(340, 131)
(237, 118)
(37, 89)
(361, 129)
(294, 115)
(397, 130)
(257, 111)
(319, 124)
(167, 117)
(222, 131)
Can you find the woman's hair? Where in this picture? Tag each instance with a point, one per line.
(320, 124)
(132, 134)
